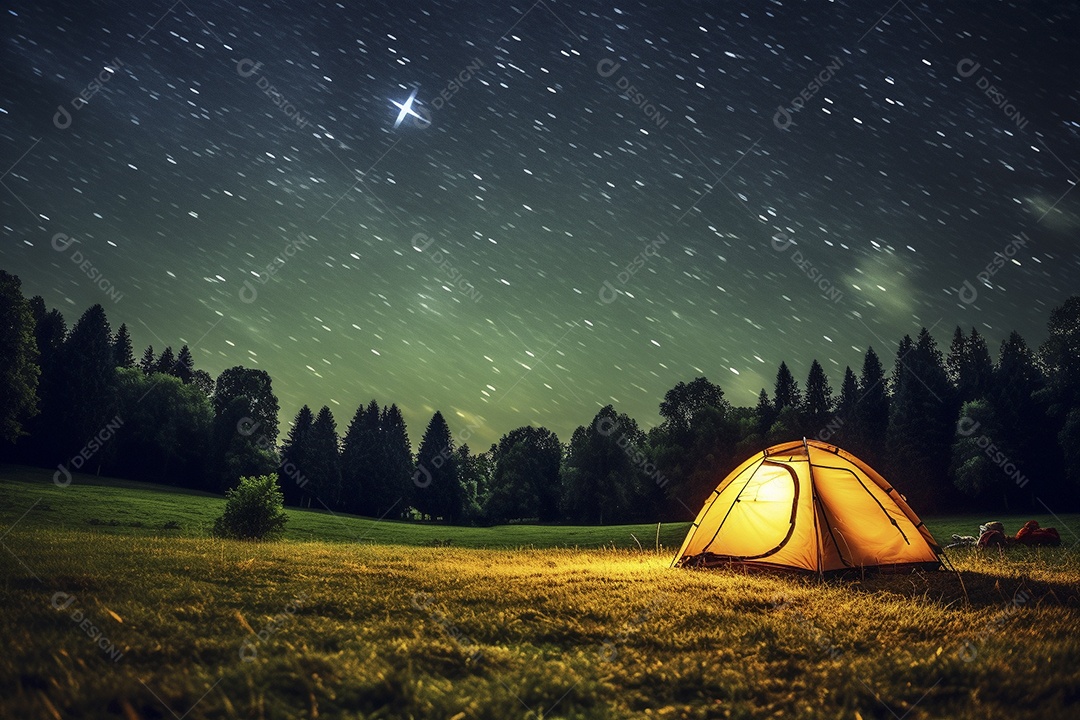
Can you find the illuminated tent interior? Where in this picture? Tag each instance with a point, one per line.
(808, 506)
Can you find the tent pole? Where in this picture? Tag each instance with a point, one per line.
(813, 510)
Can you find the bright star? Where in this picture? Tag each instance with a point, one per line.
(406, 109)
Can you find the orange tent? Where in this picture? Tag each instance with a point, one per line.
(808, 506)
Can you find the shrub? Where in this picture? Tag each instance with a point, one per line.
(254, 510)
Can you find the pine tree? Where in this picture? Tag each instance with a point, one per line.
(787, 408)
(849, 395)
(166, 363)
(846, 407)
(922, 423)
(50, 331)
(395, 492)
(123, 354)
(786, 391)
(86, 371)
(376, 462)
(1012, 416)
(1060, 355)
(1015, 399)
(438, 489)
(36, 305)
(1017, 379)
(976, 382)
(932, 373)
(969, 366)
(764, 414)
(185, 366)
(19, 369)
(294, 475)
(957, 357)
(148, 364)
(902, 352)
(361, 455)
(325, 467)
(866, 436)
(817, 402)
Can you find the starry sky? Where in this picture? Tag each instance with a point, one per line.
(588, 203)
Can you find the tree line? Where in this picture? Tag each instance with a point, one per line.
(951, 429)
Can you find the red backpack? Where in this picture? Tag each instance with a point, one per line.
(992, 538)
(1031, 535)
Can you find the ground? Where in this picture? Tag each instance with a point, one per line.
(371, 620)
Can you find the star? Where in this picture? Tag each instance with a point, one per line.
(406, 109)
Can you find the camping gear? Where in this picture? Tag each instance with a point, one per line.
(992, 534)
(992, 538)
(1031, 535)
(962, 541)
(807, 506)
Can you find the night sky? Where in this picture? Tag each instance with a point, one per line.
(469, 259)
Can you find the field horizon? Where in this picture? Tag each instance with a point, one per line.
(132, 506)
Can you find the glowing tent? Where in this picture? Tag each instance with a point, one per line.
(808, 506)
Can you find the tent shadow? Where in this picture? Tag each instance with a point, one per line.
(967, 588)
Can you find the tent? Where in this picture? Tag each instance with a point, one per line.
(808, 506)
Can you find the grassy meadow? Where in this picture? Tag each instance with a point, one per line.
(117, 603)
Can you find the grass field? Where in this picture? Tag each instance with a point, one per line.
(124, 507)
(132, 620)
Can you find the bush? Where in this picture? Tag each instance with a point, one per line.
(254, 510)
